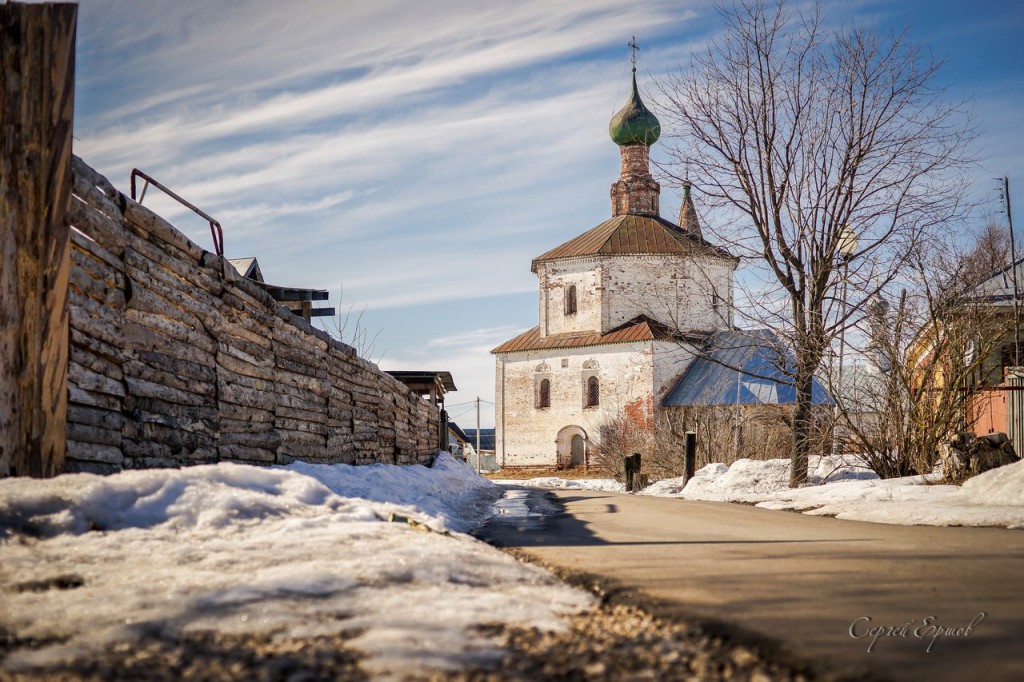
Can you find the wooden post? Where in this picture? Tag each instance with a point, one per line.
(37, 67)
(691, 455)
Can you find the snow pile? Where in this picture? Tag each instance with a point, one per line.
(600, 484)
(290, 552)
(756, 480)
(995, 498)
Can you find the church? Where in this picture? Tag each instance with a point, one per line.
(624, 309)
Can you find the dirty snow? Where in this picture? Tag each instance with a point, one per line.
(600, 484)
(298, 551)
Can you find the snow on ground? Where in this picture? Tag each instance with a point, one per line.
(600, 484)
(846, 490)
(303, 550)
(841, 486)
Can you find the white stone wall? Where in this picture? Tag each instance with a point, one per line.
(554, 279)
(670, 361)
(526, 435)
(678, 291)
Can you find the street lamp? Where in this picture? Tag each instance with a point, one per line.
(847, 247)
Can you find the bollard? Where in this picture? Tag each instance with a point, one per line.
(632, 465)
(691, 454)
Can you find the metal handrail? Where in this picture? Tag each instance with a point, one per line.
(215, 229)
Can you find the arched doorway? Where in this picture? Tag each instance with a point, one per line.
(576, 451)
(572, 445)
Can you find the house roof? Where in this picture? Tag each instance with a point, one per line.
(999, 287)
(486, 438)
(422, 379)
(641, 328)
(633, 234)
(247, 267)
(741, 367)
(454, 430)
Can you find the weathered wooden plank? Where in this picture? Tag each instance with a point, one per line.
(252, 326)
(175, 262)
(226, 377)
(103, 401)
(195, 299)
(80, 167)
(307, 416)
(37, 66)
(155, 229)
(247, 397)
(186, 384)
(206, 374)
(138, 337)
(228, 362)
(171, 330)
(88, 192)
(150, 453)
(97, 227)
(144, 299)
(106, 419)
(99, 262)
(85, 378)
(95, 452)
(82, 282)
(244, 414)
(97, 320)
(148, 389)
(242, 453)
(286, 426)
(86, 433)
(304, 401)
(95, 363)
(269, 440)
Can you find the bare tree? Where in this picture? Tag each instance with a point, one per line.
(939, 349)
(347, 327)
(805, 134)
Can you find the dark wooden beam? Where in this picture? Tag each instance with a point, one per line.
(37, 68)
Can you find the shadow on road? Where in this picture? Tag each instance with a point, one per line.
(524, 514)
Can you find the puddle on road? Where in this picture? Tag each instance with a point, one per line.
(520, 509)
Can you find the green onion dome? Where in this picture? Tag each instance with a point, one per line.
(634, 124)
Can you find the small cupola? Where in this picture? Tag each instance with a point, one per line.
(634, 128)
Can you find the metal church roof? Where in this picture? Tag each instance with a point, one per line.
(641, 328)
(633, 234)
(744, 368)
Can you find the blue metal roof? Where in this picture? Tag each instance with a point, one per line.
(749, 367)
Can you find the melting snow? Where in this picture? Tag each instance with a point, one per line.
(847, 490)
(297, 551)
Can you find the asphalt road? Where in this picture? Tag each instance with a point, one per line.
(809, 583)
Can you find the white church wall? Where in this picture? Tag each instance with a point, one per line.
(670, 360)
(555, 279)
(526, 435)
(678, 291)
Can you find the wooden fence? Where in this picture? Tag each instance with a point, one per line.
(176, 359)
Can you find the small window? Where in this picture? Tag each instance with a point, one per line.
(565, 362)
(593, 392)
(544, 393)
(570, 300)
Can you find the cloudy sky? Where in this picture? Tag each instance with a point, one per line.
(413, 156)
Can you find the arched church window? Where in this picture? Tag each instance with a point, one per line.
(570, 300)
(544, 393)
(593, 392)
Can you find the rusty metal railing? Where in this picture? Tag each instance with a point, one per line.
(215, 229)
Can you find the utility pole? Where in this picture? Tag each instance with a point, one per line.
(478, 434)
(1013, 273)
